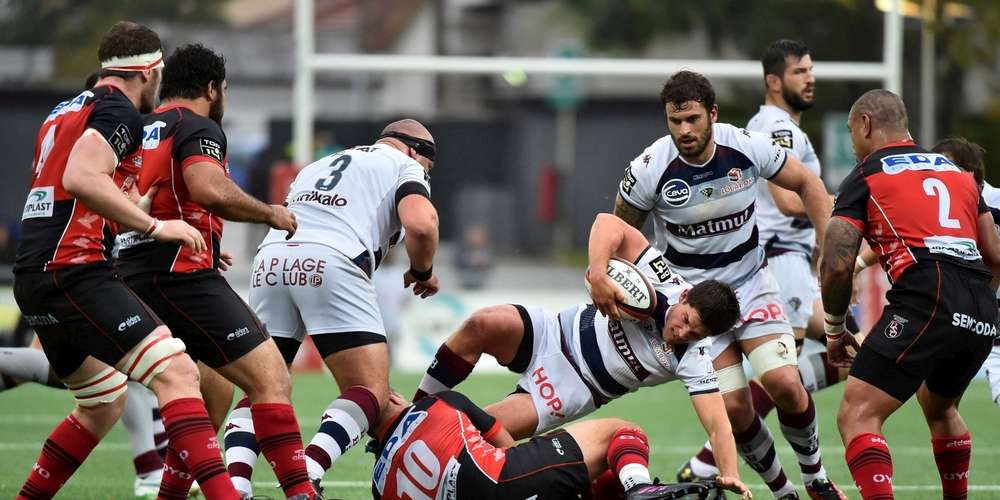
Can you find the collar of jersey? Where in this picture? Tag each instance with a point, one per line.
(897, 144)
(710, 158)
(172, 106)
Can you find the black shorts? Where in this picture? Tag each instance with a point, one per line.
(549, 466)
(201, 309)
(83, 311)
(938, 328)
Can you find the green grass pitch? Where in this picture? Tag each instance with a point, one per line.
(28, 413)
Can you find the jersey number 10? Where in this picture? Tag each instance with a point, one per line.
(423, 471)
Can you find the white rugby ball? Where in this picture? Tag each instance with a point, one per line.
(640, 296)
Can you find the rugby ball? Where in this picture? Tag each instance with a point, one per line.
(640, 296)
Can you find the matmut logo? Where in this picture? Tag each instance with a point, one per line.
(712, 227)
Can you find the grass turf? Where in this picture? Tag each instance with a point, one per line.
(28, 413)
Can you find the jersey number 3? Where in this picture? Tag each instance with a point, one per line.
(934, 187)
(339, 164)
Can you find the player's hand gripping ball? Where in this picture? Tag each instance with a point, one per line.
(624, 292)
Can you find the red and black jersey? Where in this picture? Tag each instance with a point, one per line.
(427, 445)
(175, 137)
(58, 231)
(912, 205)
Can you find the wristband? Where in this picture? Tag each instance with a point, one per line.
(422, 275)
(860, 263)
(153, 226)
(834, 326)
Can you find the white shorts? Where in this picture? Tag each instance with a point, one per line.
(992, 366)
(760, 309)
(798, 285)
(307, 288)
(557, 391)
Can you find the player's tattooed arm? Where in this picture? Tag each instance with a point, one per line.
(635, 217)
(840, 250)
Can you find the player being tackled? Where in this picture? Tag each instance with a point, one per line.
(575, 361)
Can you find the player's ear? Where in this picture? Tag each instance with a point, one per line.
(773, 82)
(683, 297)
(713, 114)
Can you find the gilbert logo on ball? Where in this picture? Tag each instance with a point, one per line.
(640, 297)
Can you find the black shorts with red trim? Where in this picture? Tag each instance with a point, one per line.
(549, 467)
(81, 311)
(201, 309)
(938, 328)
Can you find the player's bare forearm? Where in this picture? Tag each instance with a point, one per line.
(420, 220)
(840, 250)
(633, 216)
(788, 203)
(989, 242)
(818, 205)
(711, 411)
(613, 237)
(88, 178)
(210, 188)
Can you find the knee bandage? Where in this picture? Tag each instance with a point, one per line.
(151, 357)
(105, 387)
(773, 354)
(732, 378)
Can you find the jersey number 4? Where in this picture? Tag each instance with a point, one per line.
(339, 164)
(422, 472)
(934, 187)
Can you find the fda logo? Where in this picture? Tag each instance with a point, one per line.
(676, 192)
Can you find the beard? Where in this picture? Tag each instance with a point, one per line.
(700, 145)
(795, 100)
(216, 110)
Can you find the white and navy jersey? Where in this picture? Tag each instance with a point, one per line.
(991, 196)
(779, 232)
(617, 357)
(347, 201)
(704, 215)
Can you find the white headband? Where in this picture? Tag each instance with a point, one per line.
(138, 62)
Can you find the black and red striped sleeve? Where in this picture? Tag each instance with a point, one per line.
(199, 139)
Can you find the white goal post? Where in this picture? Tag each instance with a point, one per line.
(308, 63)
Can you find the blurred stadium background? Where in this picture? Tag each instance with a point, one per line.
(529, 151)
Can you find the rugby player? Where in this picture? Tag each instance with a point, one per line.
(700, 182)
(932, 231)
(573, 362)
(789, 238)
(184, 155)
(95, 332)
(444, 446)
(351, 207)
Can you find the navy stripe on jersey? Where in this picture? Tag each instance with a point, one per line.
(713, 260)
(725, 159)
(592, 354)
(728, 223)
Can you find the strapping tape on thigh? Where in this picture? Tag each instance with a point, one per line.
(732, 378)
(151, 357)
(773, 354)
(105, 387)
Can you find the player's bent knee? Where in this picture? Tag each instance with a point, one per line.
(153, 355)
(773, 354)
(107, 386)
(732, 378)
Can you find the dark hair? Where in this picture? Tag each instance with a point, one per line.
(126, 39)
(91, 80)
(966, 154)
(685, 86)
(189, 70)
(774, 56)
(717, 305)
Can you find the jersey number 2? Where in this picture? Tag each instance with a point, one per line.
(934, 187)
(423, 470)
(339, 164)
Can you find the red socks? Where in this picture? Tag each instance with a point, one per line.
(193, 447)
(953, 455)
(871, 466)
(628, 457)
(63, 452)
(281, 443)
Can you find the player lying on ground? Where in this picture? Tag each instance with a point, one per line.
(940, 321)
(444, 446)
(573, 362)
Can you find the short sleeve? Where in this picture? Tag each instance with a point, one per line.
(852, 199)
(200, 141)
(766, 154)
(479, 418)
(638, 185)
(695, 368)
(412, 180)
(116, 119)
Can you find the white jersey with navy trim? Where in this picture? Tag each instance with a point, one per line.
(347, 201)
(704, 215)
(617, 357)
(778, 232)
(991, 197)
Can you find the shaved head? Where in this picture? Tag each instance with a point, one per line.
(409, 126)
(885, 109)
